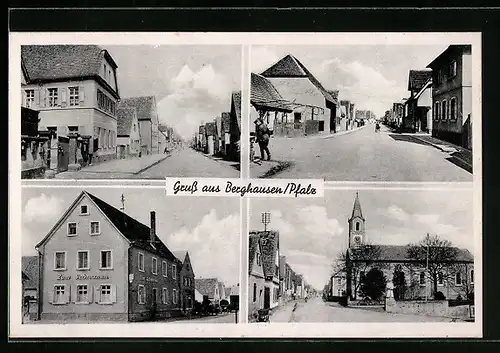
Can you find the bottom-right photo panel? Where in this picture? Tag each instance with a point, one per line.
(362, 256)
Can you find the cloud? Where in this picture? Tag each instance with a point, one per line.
(42, 209)
(321, 224)
(262, 58)
(213, 246)
(397, 213)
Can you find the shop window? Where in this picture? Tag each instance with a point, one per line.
(106, 260)
(154, 266)
(140, 261)
(106, 294)
(83, 260)
(141, 294)
(71, 228)
(82, 294)
(74, 96)
(60, 295)
(164, 268)
(84, 210)
(60, 260)
(95, 228)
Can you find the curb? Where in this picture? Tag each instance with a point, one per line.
(346, 132)
(442, 150)
(152, 165)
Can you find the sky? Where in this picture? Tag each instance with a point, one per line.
(209, 228)
(371, 76)
(192, 84)
(313, 232)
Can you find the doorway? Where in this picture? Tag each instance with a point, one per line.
(333, 125)
(267, 298)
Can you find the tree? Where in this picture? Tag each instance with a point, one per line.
(399, 281)
(373, 285)
(433, 256)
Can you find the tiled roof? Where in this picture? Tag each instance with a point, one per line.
(144, 106)
(290, 66)
(29, 266)
(210, 129)
(269, 243)
(356, 209)
(25, 277)
(399, 253)
(125, 116)
(236, 104)
(264, 95)
(201, 130)
(452, 51)
(206, 286)
(226, 121)
(180, 254)
(136, 232)
(253, 244)
(418, 78)
(51, 62)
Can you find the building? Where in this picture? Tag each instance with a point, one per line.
(418, 114)
(34, 146)
(30, 268)
(233, 296)
(347, 113)
(147, 114)
(452, 95)
(210, 137)
(407, 275)
(222, 291)
(256, 277)
(316, 109)
(186, 277)
(98, 263)
(397, 114)
(129, 133)
(209, 289)
(75, 90)
(233, 152)
(225, 133)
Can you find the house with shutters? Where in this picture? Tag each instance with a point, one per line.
(147, 114)
(315, 109)
(75, 90)
(98, 263)
(418, 107)
(129, 133)
(186, 279)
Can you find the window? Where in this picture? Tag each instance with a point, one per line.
(174, 296)
(154, 266)
(164, 295)
(452, 69)
(440, 279)
(72, 228)
(254, 297)
(84, 210)
(106, 259)
(258, 259)
(453, 109)
(443, 110)
(357, 225)
(174, 271)
(141, 294)
(297, 117)
(472, 276)
(140, 261)
(60, 260)
(106, 296)
(438, 110)
(458, 279)
(83, 260)
(30, 97)
(74, 96)
(53, 97)
(105, 72)
(59, 294)
(164, 268)
(95, 228)
(422, 278)
(82, 293)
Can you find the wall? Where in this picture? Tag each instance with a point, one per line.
(109, 78)
(253, 306)
(430, 308)
(109, 239)
(104, 124)
(146, 135)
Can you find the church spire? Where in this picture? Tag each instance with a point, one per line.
(356, 210)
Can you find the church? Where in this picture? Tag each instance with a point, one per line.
(410, 276)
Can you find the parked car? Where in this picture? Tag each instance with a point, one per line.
(224, 305)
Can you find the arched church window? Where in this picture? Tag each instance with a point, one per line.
(357, 225)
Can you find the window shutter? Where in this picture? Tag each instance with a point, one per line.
(37, 97)
(51, 296)
(23, 98)
(42, 97)
(63, 95)
(67, 292)
(97, 292)
(91, 294)
(81, 93)
(113, 293)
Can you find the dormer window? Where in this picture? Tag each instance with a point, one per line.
(84, 210)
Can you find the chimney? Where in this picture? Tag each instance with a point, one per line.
(152, 231)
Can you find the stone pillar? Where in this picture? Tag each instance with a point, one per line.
(54, 155)
(389, 297)
(73, 147)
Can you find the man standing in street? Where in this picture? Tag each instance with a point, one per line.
(262, 136)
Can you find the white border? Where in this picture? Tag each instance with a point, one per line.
(331, 330)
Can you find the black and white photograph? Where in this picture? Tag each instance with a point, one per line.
(362, 112)
(369, 256)
(128, 255)
(130, 111)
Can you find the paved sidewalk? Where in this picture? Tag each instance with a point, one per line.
(284, 312)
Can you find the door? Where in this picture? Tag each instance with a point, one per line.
(63, 154)
(333, 121)
(267, 298)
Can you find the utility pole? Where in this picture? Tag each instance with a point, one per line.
(266, 219)
(427, 267)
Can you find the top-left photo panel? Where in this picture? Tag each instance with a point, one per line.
(130, 111)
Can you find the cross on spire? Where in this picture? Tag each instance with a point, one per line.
(356, 210)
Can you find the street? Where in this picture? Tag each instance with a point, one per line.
(316, 310)
(364, 155)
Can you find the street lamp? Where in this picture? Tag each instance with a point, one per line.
(266, 219)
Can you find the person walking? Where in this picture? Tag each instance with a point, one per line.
(262, 136)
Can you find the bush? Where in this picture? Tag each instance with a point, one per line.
(373, 284)
(439, 296)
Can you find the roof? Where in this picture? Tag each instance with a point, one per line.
(136, 232)
(180, 254)
(125, 116)
(63, 62)
(206, 286)
(234, 290)
(201, 130)
(29, 267)
(236, 104)
(264, 95)
(290, 66)
(269, 243)
(450, 52)
(399, 253)
(162, 128)
(227, 291)
(144, 105)
(253, 244)
(418, 78)
(24, 276)
(210, 129)
(356, 209)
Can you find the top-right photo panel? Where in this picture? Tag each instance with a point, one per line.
(367, 113)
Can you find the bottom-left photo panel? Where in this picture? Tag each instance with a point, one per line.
(128, 255)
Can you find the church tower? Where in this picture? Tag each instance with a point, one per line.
(356, 225)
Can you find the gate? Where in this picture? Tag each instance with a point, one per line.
(62, 154)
